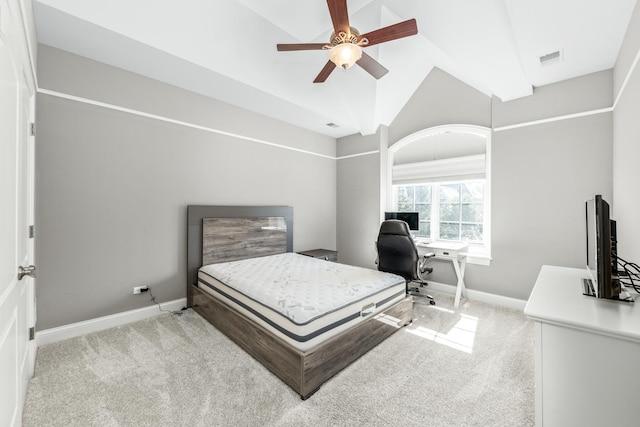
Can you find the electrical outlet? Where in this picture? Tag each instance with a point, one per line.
(140, 289)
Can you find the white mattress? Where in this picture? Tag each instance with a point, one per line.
(301, 299)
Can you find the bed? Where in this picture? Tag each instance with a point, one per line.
(303, 333)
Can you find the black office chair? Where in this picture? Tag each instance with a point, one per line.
(397, 253)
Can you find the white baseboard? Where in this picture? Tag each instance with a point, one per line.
(514, 303)
(60, 333)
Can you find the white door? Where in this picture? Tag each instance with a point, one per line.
(17, 307)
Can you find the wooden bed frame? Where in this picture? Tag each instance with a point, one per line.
(305, 371)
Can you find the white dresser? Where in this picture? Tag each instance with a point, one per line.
(587, 354)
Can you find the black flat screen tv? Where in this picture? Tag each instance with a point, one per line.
(600, 259)
(410, 218)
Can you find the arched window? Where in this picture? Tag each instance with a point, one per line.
(444, 174)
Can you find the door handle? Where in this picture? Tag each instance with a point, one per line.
(26, 271)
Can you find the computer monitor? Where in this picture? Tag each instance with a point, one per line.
(411, 218)
(600, 259)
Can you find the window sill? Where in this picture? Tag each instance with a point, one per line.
(478, 255)
(478, 259)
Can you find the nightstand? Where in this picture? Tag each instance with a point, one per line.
(325, 254)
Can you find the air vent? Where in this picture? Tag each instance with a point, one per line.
(551, 58)
(332, 125)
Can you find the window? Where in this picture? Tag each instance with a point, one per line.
(444, 174)
(448, 211)
(461, 211)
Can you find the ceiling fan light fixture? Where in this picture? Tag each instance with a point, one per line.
(346, 43)
(345, 55)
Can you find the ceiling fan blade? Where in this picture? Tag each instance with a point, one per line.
(339, 15)
(371, 66)
(328, 68)
(300, 46)
(392, 32)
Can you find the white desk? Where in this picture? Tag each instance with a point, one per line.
(450, 251)
(585, 353)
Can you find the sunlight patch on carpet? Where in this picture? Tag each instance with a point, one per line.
(460, 337)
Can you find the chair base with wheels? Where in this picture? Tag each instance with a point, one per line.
(417, 290)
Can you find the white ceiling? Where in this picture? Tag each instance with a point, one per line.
(226, 49)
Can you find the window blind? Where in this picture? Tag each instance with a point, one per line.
(454, 169)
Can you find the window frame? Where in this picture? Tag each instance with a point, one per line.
(478, 254)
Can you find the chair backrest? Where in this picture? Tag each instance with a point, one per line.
(397, 252)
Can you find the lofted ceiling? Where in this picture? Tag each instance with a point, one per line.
(226, 49)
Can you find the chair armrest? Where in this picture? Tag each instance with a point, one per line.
(422, 264)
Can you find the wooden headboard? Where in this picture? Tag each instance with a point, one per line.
(231, 239)
(235, 232)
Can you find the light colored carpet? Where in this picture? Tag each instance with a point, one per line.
(469, 367)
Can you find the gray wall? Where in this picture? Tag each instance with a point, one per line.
(441, 100)
(541, 174)
(112, 187)
(626, 144)
(358, 200)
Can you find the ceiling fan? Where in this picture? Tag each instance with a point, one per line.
(346, 43)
